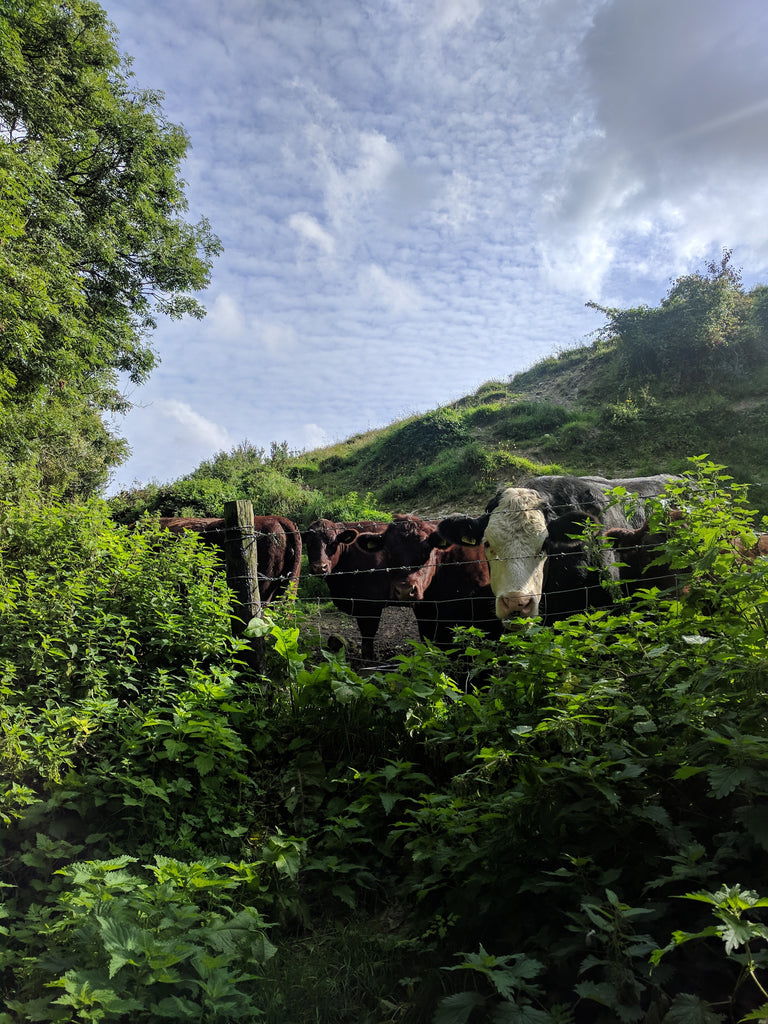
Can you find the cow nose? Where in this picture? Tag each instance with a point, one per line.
(516, 603)
(404, 591)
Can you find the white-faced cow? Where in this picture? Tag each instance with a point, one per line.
(446, 585)
(278, 547)
(357, 579)
(525, 530)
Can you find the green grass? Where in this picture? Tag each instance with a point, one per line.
(574, 412)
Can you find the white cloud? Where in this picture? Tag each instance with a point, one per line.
(310, 231)
(455, 208)
(190, 427)
(277, 338)
(225, 318)
(679, 137)
(314, 436)
(370, 164)
(377, 287)
(450, 14)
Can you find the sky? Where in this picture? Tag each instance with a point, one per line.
(418, 196)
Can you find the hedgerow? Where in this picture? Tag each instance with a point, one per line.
(505, 832)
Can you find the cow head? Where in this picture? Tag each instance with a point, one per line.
(513, 532)
(324, 541)
(409, 546)
(519, 535)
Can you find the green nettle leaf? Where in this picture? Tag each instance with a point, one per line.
(735, 932)
(205, 763)
(456, 1009)
(724, 779)
(388, 801)
(759, 1014)
(82, 995)
(512, 1013)
(690, 1009)
(176, 1008)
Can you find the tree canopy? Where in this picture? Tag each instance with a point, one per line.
(94, 243)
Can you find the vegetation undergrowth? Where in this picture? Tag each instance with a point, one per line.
(500, 835)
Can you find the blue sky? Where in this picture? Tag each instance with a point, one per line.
(417, 196)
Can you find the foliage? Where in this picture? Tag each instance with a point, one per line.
(685, 337)
(501, 833)
(246, 471)
(730, 906)
(94, 241)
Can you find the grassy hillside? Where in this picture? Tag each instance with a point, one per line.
(657, 387)
(569, 413)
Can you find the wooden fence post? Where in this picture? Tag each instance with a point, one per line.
(241, 562)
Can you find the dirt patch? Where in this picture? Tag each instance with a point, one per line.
(330, 629)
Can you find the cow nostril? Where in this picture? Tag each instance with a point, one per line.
(516, 604)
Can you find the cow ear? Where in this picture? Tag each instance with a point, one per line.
(463, 530)
(370, 541)
(436, 540)
(346, 537)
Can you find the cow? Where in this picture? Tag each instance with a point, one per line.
(278, 547)
(643, 563)
(356, 579)
(521, 526)
(640, 555)
(447, 585)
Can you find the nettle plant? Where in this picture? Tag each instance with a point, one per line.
(169, 820)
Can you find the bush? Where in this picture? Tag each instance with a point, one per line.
(527, 811)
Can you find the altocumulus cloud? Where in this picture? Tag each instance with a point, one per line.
(380, 289)
(305, 225)
(443, 184)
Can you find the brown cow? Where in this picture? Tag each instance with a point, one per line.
(278, 547)
(447, 585)
(357, 579)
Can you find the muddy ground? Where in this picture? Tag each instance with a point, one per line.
(329, 628)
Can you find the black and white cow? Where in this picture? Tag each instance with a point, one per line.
(536, 566)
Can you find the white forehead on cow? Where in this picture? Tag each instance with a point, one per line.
(518, 515)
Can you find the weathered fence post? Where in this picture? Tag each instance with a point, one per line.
(242, 574)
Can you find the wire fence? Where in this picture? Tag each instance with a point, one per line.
(344, 580)
(364, 591)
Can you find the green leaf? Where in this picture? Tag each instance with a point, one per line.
(724, 779)
(760, 1014)
(388, 800)
(457, 1009)
(690, 1009)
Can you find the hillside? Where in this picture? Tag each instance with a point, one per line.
(656, 387)
(569, 413)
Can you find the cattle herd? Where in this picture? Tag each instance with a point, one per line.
(555, 546)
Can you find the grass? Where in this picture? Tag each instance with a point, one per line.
(574, 412)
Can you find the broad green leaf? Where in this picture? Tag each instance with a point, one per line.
(690, 1009)
(456, 1009)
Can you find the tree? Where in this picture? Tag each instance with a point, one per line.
(684, 338)
(93, 240)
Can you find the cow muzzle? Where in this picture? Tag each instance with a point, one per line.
(404, 591)
(525, 606)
